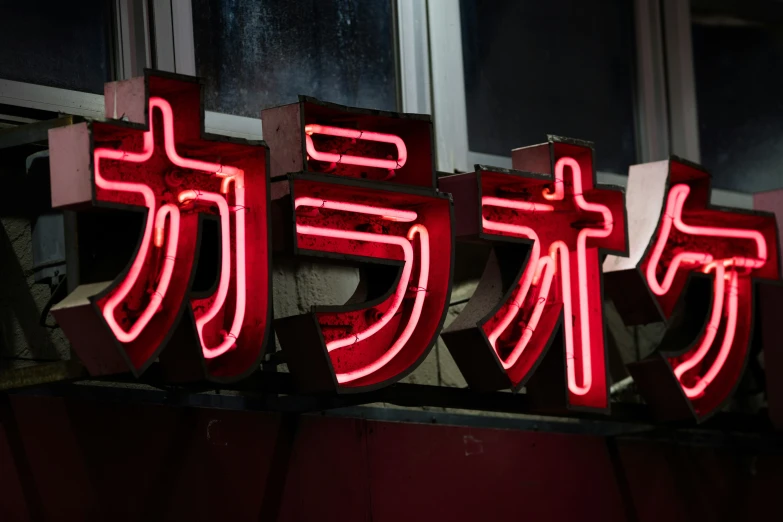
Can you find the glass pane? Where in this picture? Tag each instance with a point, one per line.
(738, 65)
(563, 67)
(255, 54)
(56, 43)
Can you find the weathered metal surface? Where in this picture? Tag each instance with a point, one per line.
(96, 458)
(41, 373)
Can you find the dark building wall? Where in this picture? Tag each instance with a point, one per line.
(68, 459)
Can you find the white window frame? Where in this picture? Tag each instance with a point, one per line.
(449, 87)
(175, 52)
(431, 79)
(169, 24)
(666, 121)
(683, 112)
(131, 56)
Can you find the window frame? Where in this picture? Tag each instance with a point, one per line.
(683, 110)
(449, 87)
(665, 112)
(159, 34)
(136, 35)
(130, 55)
(172, 32)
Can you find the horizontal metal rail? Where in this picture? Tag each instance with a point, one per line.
(273, 392)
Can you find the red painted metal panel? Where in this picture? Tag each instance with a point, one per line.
(55, 464)
(12, 504)
(88, 460)
(101, 461)
(327, 478)
(421, 472)
(223, 473)
(676, 483)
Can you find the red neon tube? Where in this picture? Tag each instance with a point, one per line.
(241, 279)
(413, 320)
(560, 249)
(364, 236)
(165, 277)
(331, 157)
(405, 244)
(386, 213)
(725, 347)
(581, 267)
(401, 287)
(712, 326)
(557, 193)
(538, 265)
(119, 295)
(545, 273)
(489, 201)
(673, 218)
(230, 337)
(527, 276)
(521, 295)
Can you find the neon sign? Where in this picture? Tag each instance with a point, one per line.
(565, 219)
(358, 188)
(132, 168)
(338, 214)
(693, 244)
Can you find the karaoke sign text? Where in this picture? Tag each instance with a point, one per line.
(359, 187)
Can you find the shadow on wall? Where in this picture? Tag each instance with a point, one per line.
(21, 302)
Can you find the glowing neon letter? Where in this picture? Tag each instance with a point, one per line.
(394, 225)
(564, 228)
(146, 170)
(691, 237)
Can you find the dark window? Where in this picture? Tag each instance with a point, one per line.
(255, 54)
(56, 43)
(738, 65)
(563, 67)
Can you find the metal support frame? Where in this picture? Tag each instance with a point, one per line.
(274, 392)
